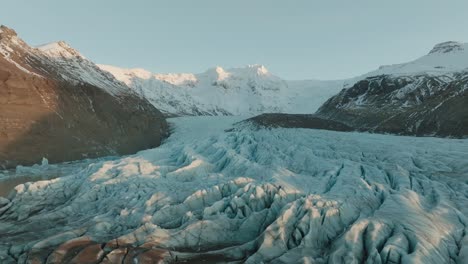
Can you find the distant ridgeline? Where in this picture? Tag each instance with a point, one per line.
(425, 97)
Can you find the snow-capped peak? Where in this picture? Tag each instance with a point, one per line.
(252, 70)
(445, 58)
(245, 90)
(76, 68)
(178, 79)
(448, 46)
(9, 39)
(126, 75)
(6, 32)
(259, 69)
(59, 49)
(219, 70)
(216, 74)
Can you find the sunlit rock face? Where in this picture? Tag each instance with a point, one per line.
(215, 194)
(54, 103)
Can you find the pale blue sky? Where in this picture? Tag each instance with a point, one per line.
(300, 39)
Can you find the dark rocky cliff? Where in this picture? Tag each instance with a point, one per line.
(420, 105)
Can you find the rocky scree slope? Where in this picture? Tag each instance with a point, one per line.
(55, 103)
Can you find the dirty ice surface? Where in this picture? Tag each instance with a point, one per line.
(248, 195)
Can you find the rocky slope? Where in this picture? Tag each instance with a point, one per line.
(275, 120)
(425, 97)
(239, 91)
(54, 103)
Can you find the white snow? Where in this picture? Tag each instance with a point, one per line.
(6, 51)
(276, 195)
(76, 68)
(437, 61)
(59, 49)
(253, 89)
(249, 90)
(444, 59)
(64, 61)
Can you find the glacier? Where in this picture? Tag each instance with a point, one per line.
(217, 191)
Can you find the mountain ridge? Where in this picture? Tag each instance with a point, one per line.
(55, 104)
(246, 90)
(423, 97)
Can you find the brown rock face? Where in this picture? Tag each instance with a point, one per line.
(44, 114)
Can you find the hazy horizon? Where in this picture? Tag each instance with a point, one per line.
(332, 40)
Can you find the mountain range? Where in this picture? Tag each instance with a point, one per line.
(424, 97)
(52, 93)
(202, 187)
(244, 91)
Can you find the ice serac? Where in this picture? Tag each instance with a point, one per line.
(249, 90)
(250, 196)
(425, 97)
(56, 104)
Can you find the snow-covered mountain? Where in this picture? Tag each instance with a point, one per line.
(445, 58)
(254, 90)
(239, 91)
(74, 67)
(60, 59)
(427, 96)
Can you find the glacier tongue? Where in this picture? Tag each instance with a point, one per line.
(247, 195)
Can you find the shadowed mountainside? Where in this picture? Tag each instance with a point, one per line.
(418, 105)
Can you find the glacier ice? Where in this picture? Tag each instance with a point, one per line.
(251, 195)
